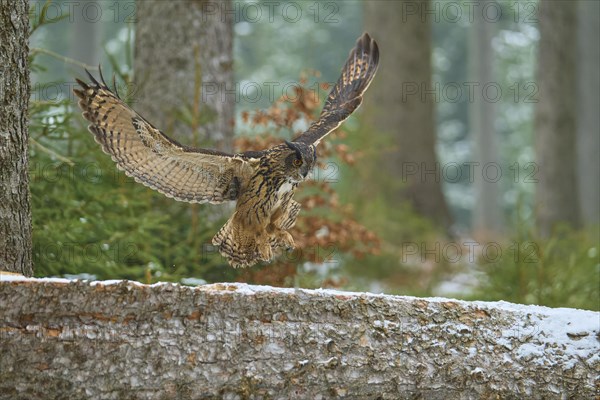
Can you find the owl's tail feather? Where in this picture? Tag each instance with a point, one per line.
(240, 248)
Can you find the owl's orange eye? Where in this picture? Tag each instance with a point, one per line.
(297, 162)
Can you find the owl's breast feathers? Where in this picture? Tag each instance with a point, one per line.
(265, 193)
(264, 212)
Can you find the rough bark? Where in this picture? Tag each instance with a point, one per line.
(130, 341)
(15, 212)
(398, 105)
(557, 194)
(487, 212)
(184, 61)
(588, 125)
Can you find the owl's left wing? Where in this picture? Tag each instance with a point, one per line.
(346, 95)
(186, 174)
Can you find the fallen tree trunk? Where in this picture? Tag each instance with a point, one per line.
(124, 340)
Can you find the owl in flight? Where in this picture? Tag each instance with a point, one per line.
(262, 182)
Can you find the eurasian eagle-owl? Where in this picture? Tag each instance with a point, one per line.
(262, 182)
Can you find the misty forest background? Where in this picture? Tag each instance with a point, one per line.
(471, 170)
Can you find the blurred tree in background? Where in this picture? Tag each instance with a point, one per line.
(183, 63)
(362, 226)
(400, 108)
(557, 194)
(488, 218)
(588, 117)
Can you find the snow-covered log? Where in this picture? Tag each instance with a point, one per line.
(123, 340)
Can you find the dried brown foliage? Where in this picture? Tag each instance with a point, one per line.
(326, 230)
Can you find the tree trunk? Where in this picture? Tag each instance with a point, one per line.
(588, 120)
(131, 341)
(399, 105)
(487, 213)
(15, 212)
(557, 195)
(184, 69)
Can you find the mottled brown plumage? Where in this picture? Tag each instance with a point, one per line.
(263, 183)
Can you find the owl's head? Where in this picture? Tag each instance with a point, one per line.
(297, 160)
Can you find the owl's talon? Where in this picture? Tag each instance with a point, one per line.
(286, 241)
(265, 252)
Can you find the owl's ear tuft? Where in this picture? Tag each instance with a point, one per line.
(291, 145)
(294, 147)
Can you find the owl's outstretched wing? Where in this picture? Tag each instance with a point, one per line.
(346, 95)
(155, 160)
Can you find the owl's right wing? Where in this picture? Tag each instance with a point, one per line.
(346, 95)
(186, 174)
